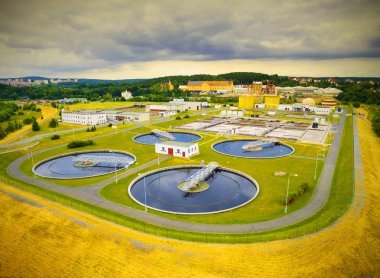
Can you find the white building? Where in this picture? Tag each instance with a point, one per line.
(179, 149)
(222, 92)
(285, 107)
(165, 107)
(241, 89)
(232, 113)
(84, 118)
(167, 113)
(329, 92)
(177, 105)
(126, 95)
(178, 100)
(259, 105)
(191, 105)
(322, 110)
(115, 115)
(288, 91)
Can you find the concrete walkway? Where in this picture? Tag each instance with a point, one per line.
(358, 171)
(41, 136)
(90, 194)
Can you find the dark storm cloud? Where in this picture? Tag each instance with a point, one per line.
(99, 34)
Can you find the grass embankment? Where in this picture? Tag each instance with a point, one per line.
(36, 235)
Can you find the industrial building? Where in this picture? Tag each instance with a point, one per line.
(210, 86)
(84, 117)
(179, 149)
(126, 95)
(302, 107)
(176, 104)
(115, 115)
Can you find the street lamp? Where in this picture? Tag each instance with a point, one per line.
(115, 126)
(115, 173)
(316, 163)
(146, 209)
(30, 155)
(287, 191)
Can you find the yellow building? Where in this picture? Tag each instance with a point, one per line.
(171, 86)
(265, 95)
(330, 102)
(167, 86)
(271, 102)
(309, 101)
(210, 86)
(257, 87)
(248, 101)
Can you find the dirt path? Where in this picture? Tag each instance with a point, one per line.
(40, 238)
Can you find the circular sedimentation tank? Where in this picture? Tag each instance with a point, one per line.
(224, 190)
(151, 138)
(83, 164)
(235, 148)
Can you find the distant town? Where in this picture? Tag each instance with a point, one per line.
(18, 82)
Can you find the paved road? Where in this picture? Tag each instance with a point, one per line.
(358, 170)
(38, 137)
(90, 194)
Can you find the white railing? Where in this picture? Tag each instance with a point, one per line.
(199, 176)
(163, 134)
(272, 128)
(259, 143)
(113, 161)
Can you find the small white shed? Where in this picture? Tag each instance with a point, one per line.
(179, 149)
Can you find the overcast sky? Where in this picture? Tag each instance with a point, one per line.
(140, 39)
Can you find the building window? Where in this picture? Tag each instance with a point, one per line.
(163, 149)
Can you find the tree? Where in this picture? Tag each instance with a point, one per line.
(107, 97)
(10, 127)
(53, 123)
(35, 126)
(376, 123)
(55, 137)
(26, 106)
(2, 133)
(27, 121)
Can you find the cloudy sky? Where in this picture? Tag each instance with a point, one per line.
(137, 39)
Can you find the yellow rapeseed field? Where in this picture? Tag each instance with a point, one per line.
(39, 238)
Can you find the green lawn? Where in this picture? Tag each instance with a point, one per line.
(268, 204)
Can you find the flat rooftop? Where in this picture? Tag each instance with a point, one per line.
(177, 144)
